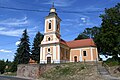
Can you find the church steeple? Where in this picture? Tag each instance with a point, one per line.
(51, 40)
(52, 27)
(53, 9)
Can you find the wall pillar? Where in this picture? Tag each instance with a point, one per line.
(91, 51)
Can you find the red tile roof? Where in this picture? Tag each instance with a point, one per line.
(79, 43)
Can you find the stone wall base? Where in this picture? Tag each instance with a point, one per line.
(30, 70)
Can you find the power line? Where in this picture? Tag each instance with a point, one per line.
(21, 9)
(79, 11)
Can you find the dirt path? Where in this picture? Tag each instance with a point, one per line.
(105, 74)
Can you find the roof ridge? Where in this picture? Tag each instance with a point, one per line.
(80, 40)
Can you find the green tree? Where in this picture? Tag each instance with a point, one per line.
(2, 66)
(8, 65)
(89, 33)
(109, 36)
(13, 65)
(95, 31)
(36, 48)
(22, 55)
(81, 36)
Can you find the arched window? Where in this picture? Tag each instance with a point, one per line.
(84, 53)
(49, 26)
(48, 49)
(49, 39)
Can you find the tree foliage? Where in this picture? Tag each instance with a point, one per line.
(109, 37)
(88, 33)
(81, 36)
(14, 64)
(22, 55)
(8, 66)
(2, 66)
(35, 47)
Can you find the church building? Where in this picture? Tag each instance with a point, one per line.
(53, 49)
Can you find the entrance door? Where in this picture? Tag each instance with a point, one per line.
(75, 59)
(48, 60)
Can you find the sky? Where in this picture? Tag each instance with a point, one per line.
(13, 22)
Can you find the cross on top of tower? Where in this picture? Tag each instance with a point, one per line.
(53, 5)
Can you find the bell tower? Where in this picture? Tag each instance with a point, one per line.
(52, 27)
(50, 45)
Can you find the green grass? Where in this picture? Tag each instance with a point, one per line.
(111, 62)
(63, 70)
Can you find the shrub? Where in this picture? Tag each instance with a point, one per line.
(112, 62)
(2, 66)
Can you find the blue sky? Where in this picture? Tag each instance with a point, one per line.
(13, 22)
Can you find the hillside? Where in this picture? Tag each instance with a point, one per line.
(72, 71)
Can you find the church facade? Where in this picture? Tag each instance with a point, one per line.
(53, 49)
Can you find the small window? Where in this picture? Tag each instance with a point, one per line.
(84, 53)
(48, 49)
(49, 39)
(49, 26)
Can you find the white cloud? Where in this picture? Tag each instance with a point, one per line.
(83, 19)
(67, 30)
(92, 8)
(17, 32)
(5, 51)
(8, 55)
(17, 43)
(68, 20)
(15, 26)
(2, 28)
(15, 22)
(11, 32)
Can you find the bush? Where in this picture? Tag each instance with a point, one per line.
(13, 67)
(112, 62)
(82, 67)
(57, 67)
(2, 66)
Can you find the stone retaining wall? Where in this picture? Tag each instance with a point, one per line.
(30, 70)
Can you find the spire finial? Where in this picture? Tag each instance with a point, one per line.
(52, 9)
(53, 4)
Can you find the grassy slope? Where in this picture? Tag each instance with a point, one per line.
(72, 71)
